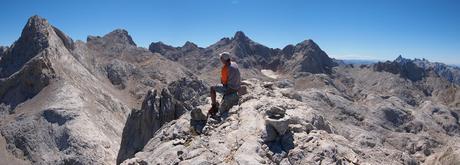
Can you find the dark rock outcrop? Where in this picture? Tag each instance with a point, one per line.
(188, 91)
(189, 46)
(174, 53)
(34, 39)
(416, 69)
(404, 67)
(140, 127)
(35, 75)
(2, 51)
(118, 73)
(160, 47)
(29, 57)
(395, 117)
(157, 109)
(450, 73)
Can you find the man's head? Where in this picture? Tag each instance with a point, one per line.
(224, 57)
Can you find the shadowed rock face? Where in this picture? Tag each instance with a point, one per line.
(450, 73)
(33, 40)
(118, 73)
(157, 109)
(404, 67)
(2, 51)
(29, 56)
(160, 47)
(140, 127)
(35, 76)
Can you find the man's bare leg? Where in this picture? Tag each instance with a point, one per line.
(213, 96)
(214, 105)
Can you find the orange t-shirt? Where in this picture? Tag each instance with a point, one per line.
(224, 75)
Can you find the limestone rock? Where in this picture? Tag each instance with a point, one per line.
(321, 124)
(280, 125)
(157, 110)
(449, 156)
(35, 37)
(59, 105)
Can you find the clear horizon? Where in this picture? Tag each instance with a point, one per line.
(377, 30)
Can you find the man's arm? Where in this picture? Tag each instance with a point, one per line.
(231, 80)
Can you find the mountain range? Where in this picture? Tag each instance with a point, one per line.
(107, 101)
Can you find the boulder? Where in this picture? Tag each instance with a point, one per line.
(276, 112)
(280, 125)
(276, 123)
(197, 113)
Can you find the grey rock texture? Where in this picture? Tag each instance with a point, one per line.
(359, 117)
(140, 126)
(118, 73)
(53, 101)
(115, 57)
(449, 156)
(30, 56)
(66, 102)
(158, 108)
(34, 76)
(35, 38)
(325, 127)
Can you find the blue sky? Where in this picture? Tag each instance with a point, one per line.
(372, 29)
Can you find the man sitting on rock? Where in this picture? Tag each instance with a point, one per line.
(230, 84)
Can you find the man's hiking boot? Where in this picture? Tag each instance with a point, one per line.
(213, 110)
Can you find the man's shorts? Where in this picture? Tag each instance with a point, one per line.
(221, 89)
(228, 101)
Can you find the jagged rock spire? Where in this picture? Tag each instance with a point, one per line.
(34, 38)
(240, 36)
(35, 33)
(189, 45)
(307, 44)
